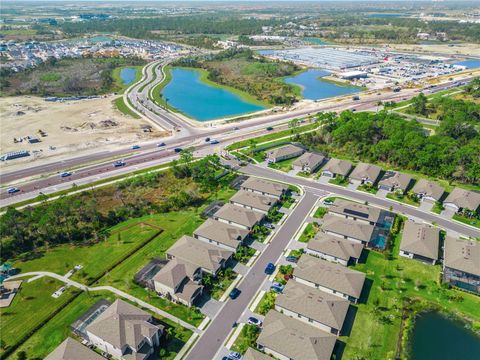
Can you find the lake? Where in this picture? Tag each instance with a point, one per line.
(201, 101)
(128, 75)
(439, 338)
(314, 88)
(470, 64)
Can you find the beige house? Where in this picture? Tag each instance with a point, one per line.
(329, 277)
(313, 306)
(208, 257)
(223, 235)
(395, 181)
(365, 174)
(72, 350)
(308, 162)
(421, 242)
(179, 280)
(348, 229)
(286, 338)
(253, 201)
(125, 332)
(238, 216)
(264, 187)
(284, 153)
(428, 190)
(461, 264)
(337, 167)
(460, 199)
(335, 249)
(358, 212)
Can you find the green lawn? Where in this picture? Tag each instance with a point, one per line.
(437, 207)
(221, 284)
(473, 221)
(247, 338)
(266, 303)
(123, 108)
(309, 233)
(339, 180)
(50, 76)
(377, 322)
(285, 165)
(320, 212)
(30, 307)
(402, 198)
(368, 189)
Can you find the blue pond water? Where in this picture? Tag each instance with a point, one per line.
(315, 89)
(201, 101)
(470, 64)
(439, 338)
(128, 75)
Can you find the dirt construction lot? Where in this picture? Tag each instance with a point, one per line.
(71, 128)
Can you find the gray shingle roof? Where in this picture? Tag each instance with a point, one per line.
(257, 201)
(421, 239)
(396, 179)
(330, 275)
(226, 234)
(207, 256)
(265, 186)
(287, 150)
(252, 354)
(295, 339)
(337, 166)
(357, 210)
(314, 304)
(122, 324)
(72, 350)
(366, 171)
(463, 255)
(175, 272)
(429, 188)
(348, 227)
(239, 215)
(462, 198)
(334, 246)
(311, 160)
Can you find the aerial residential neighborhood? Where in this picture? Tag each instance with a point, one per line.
(256, 180)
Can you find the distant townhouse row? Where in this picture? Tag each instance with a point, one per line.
(213, 243)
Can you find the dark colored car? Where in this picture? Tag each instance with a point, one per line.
(269, 128)
(207, 139)
(119, 163)
(292, 259)
(177, 150)
(135, 147)
(234, 293)
(161, 144)
(12, 190)
(269, 269)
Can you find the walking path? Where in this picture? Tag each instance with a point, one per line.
(113, 290)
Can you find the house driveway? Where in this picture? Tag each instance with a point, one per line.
(382, 193)
(209, 306)
(426, 205)
(324, 179)
(257, 245)
(352, 186)
(241, 269)
(447, 213)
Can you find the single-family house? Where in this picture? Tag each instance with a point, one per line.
(71, 349)
(461, 264)
(253, 201)
(460, 199)
(365, 173)
(125, 332)
(308, 162)
(223, 235)
(264, 187)
(284, 153)
(334, 248)
(395, 181)
(427, 190)
(337, 167)
(208, 257)
(349, 229)
(420, 241)
(252, 354)
(179, 280)
(313, 306)
(359, 212)
(238, 216)
(329, 277)
(286, 338)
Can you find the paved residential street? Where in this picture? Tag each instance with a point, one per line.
(215, 335)
(317, 187)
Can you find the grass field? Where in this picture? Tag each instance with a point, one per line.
(50, 76)
(402, 198)
(285, 165)
(123, 108)
(309, 233)
(473, 222)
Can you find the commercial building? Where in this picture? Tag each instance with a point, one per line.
(313, 306)
(284, 153)
(329, 277)
(308, 162)
(253, 201)
(461, 264)
(264, 187)
(238, 216)
(286, 338)
(335, 249)
(421, 242)
(223, 235)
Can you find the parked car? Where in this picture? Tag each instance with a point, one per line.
(234, 293)
(207, 139)
(236, 128)
(13, 190)
(65, 174)
(291, 258)
(177, 150)
(269, 128)
(214, 141)
(269, 226)
(135, 147)
(276, 289)
(119, 163)
(269, 269)
(161, 144)
(254, 321)
(277, 284)
(234, 355)
(327, 202)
